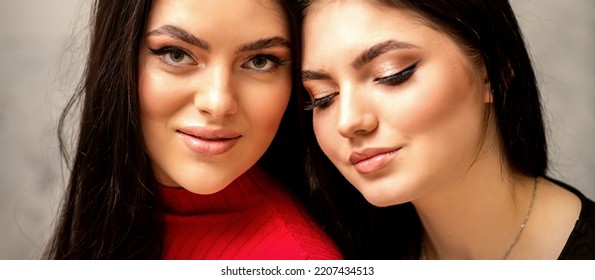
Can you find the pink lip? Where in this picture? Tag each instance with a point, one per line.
(208, 141)
(372, 159)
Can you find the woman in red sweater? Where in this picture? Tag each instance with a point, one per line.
(185, 147)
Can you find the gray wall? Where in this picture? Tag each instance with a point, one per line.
(40, 58)
(35, 80)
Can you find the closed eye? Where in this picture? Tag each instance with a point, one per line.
(321, 102)
(398, 78)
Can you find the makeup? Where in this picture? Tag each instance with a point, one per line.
(372, 160)
(208, 142)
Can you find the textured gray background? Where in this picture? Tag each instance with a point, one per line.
(41, 55)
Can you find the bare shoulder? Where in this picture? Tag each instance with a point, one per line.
(555, 214)
(559, 201)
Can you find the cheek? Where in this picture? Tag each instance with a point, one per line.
(265, 103)
(149, 97)
(154, 96)
(451, 102)
(155, 107)
(446, 120)
(162, 96)
(326, 134)
(428, 110)
(160, 100)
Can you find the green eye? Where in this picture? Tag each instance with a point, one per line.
(260, 62)
(263, 63)
(174, 56)
(177, 56)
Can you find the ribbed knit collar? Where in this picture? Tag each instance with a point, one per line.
(243, 193)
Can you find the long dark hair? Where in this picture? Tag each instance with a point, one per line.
(489, 32)
(110, 207)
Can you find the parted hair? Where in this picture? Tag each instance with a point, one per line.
(110, 207)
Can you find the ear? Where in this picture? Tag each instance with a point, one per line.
(488, 95)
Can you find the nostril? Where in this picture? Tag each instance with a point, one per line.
(216, 103)
(354, 124)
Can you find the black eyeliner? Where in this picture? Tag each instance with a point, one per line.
(169, 49)
(277, 62)
(162, 52)
(398, 78)
(321, 102)
(270, 58)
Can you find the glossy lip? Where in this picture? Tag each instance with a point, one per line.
(372, 159)
(208, 141)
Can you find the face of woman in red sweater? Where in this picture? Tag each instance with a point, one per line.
(215, 80)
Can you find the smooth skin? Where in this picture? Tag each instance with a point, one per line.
(403, 113)
(215, 80)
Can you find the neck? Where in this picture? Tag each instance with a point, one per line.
(476, 216)
(244, 192)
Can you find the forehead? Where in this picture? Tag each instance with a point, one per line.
(337, 32)
(348, 17)
(353, 25)
(229, 16)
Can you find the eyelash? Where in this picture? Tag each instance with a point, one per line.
(398, 78)
(163, 52)
(321, 102)
(270, 58)
(391, 80)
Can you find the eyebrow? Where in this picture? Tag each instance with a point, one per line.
(362, 59)
(369, 54)
(309, 75)
(264, 43)
(181, 34)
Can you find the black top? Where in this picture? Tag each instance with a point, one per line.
(581, 243)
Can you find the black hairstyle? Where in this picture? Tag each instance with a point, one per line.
(110, 208)
(489, 33)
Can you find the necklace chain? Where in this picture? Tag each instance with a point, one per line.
(516, 239)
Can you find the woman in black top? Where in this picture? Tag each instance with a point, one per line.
(431, 110)
(581, 242)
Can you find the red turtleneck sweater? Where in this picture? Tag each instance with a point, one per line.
(252, 218)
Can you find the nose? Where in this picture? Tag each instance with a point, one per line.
(356, 115)
(216, 98)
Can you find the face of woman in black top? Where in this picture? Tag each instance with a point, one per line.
(399, 106)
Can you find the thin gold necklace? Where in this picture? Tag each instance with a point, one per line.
(516, 239)
(422, 255)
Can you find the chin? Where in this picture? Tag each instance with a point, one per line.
(206, 187)
(382, 197)
(206, 191)
(379, 201)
